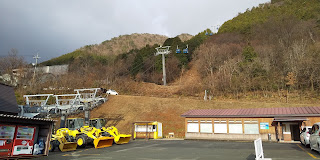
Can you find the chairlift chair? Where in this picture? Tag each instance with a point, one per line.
(178, 50)
(211, 33)
(186, 50)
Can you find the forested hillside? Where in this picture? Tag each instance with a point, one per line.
(270, 48)
(107, 50)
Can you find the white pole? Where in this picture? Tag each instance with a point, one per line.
(163, 50)
(35, 65)
(164, 70)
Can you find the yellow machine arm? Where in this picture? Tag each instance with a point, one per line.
(118, 138)
(99, 140)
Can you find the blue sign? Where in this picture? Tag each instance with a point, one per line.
(264, 125)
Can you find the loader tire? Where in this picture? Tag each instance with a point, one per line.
(81, 141)
(52, 146)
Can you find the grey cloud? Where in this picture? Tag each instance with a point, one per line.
(56, 27)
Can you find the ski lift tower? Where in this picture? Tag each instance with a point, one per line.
(163, 50)
(35, 65)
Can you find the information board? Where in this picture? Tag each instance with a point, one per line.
(264, 125)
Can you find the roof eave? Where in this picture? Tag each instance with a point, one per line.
(250, 116)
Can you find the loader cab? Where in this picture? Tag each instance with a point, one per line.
(75, 123)
(97, 122)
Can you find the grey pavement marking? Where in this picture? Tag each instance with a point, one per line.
(136, 148)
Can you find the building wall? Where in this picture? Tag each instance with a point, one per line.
(311, 121)
(8, 102)
(263, 133)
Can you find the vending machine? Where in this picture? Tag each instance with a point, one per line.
(23, 140)
(6, 139)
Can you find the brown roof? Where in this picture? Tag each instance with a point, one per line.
(254, 112)
(26, 118)
(19, 120)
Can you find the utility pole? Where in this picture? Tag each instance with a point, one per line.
(35, 65)
(163, 50)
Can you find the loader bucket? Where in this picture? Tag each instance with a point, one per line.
(68, 146)
(122, 139)
(65, 146)
(103, 142)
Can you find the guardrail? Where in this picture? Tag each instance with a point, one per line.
(45, 112)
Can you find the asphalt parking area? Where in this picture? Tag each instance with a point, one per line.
(189, 150)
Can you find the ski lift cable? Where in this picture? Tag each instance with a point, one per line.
(138, 65)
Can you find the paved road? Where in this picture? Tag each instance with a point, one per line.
(188, 150)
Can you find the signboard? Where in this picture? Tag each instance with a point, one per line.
(264, 125)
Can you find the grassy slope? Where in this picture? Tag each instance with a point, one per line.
(166, 110)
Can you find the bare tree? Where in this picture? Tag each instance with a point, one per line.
(11, 61)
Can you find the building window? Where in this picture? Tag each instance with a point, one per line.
(193, 126)
(235, 126)
(220, 126)
(205, 126)
(251, 127)
(143, 128)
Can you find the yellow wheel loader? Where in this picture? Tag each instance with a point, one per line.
(95, 136)
(84, 135)
(59, 140)
(100, 123)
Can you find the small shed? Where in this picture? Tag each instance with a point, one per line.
(21, 137)
(147, 130)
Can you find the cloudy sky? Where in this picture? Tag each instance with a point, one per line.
(56, 27)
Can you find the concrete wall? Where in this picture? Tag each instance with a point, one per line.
(55, 70)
